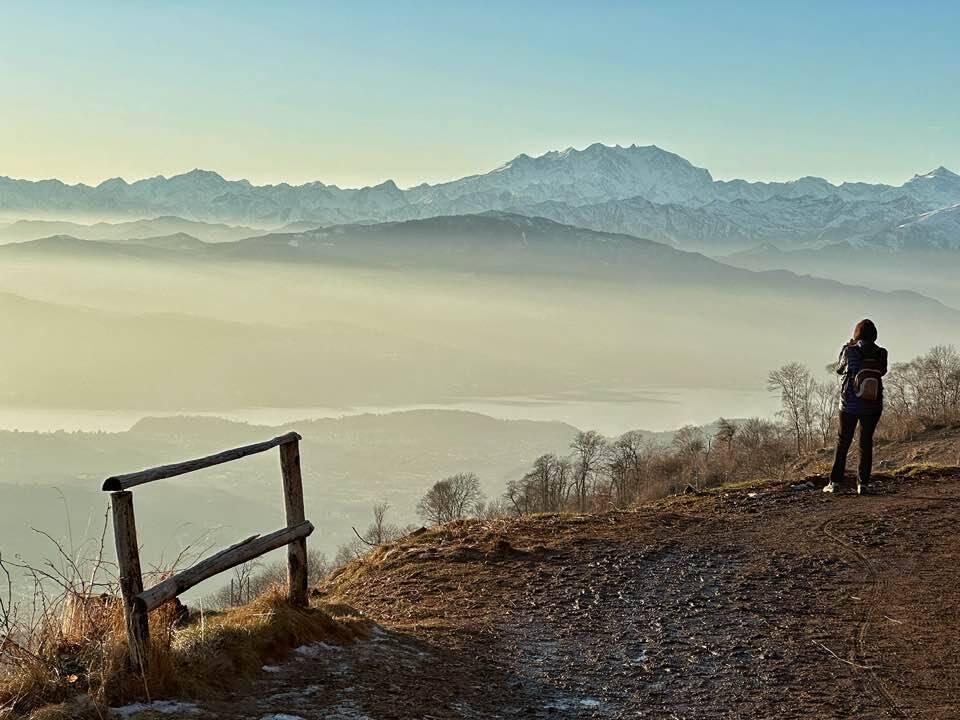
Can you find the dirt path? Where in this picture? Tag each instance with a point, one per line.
(760, 604)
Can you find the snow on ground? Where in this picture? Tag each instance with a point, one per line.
(164, 707)
(316, 649)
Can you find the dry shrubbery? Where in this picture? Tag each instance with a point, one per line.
(922, 394)
(600, 474)
(63, 651)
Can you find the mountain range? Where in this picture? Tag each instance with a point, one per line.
(644, 191)
(23, 230)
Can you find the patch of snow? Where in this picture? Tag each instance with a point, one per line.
(379, 633)
(281, 716)
(164, 707)
(347, 711)
(296, 697)
(271, 668)
(570, 703)
(316, 649)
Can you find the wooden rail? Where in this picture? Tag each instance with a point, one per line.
(138, 602)
(125, 482)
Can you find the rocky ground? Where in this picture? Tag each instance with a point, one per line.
(761, 602)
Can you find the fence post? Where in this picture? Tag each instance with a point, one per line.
(131, 578)
(293, 502)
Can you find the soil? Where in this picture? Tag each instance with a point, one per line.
(758, 602)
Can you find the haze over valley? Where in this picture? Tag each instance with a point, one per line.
(332, 298)
(497, 309)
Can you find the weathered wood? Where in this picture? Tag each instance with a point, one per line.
(124, 482)
(131, 579)
(293, 502)
(252, 547)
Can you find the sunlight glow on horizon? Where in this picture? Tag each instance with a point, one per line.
(356, 95)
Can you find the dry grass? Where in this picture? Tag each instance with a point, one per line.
(76, 676)
(924, 469)
(235, 643)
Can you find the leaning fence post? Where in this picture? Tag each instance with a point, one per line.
(131, 579)
(293, 502)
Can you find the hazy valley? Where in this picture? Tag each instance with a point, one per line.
(276, 298)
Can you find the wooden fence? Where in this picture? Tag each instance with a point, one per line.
(138, 602)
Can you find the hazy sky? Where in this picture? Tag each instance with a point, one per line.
(356, 92)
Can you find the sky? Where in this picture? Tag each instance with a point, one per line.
(354, 93)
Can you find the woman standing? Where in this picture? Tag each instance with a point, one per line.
(861, 365)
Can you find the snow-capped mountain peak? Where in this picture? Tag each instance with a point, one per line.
(940, 172)
(596, 173)
(637, 189)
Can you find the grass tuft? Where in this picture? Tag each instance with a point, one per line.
(66, 675)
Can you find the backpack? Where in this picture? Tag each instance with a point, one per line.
(867, 383)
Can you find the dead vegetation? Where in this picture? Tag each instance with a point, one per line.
(64, 652)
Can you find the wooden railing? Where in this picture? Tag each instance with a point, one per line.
(138, 602)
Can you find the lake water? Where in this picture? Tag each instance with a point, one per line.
(610, 412)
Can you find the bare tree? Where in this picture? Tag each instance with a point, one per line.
(241, 585)
(351, 550)
(450, 499)
(493, 509)
(589, 449)
(760, 448)
(545, 487)
(924, 392)
(691, 446)
(940, 370)
(626, 466)
(796, 387)
(380, 531)
(825, 398)
(726, 432)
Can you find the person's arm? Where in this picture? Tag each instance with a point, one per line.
(883, 360)
(842, 360)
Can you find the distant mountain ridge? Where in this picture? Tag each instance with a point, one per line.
(505, 244)
(645, 191)
(154, 227)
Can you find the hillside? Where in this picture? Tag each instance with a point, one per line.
(495, 243)
(764, 601)
(927, 270)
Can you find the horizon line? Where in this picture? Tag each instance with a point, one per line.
(389, 181)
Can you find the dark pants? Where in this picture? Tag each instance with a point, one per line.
(848, 426)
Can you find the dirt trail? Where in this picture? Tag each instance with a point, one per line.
(756, 603)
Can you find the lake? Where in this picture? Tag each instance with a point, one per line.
(611, 412)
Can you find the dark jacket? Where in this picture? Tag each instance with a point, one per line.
(849, 364)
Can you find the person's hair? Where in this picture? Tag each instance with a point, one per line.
(866, 331)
